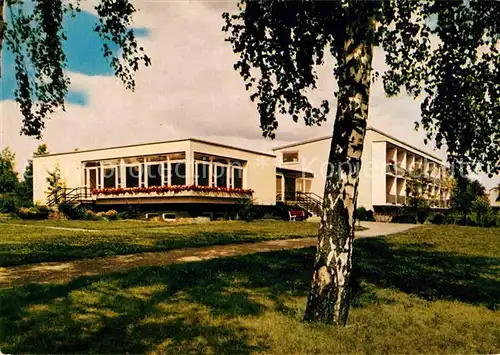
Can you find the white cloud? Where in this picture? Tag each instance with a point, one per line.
(191, 90)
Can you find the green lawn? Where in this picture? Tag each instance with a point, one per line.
(428, 290)
(30, 243)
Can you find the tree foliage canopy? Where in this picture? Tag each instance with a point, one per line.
(444, 53)
(35, 35)
(8, 176)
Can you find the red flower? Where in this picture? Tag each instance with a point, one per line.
(170, 188)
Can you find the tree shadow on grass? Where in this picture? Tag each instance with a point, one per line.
(178, 309)
(65, 250)
(198, 307)
(417, 269)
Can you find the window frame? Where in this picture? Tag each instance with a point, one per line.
(170, 162)
(140, 182)
(215, 176)
(116, 168)
(290, 152)
(209, 177)
(162, 172)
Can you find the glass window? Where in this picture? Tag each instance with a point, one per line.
(93, 177)
(109, 177)
(290, 157)
(221, 175)
(154, 174)
(178, 173)
(202, 174)
(237, 178)
(132, 176)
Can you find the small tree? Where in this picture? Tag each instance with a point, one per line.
(418, 199)
(26, 186)
(56, 185)
(465, 193)
(481, 206)
(8, 177)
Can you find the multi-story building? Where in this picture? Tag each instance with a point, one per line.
(388, 164)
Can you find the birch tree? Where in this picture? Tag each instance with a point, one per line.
(441, 52)
(35, 35)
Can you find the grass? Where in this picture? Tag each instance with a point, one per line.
(429, 290)
(24, 244)
(95, 225)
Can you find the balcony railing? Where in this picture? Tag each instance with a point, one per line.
(395, 170)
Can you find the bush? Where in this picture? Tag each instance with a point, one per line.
(9, 203)
(112, 215)
(362, 214)
(130, 212)
(90, 215)
(247, 211)
(438, 218)
(72, 211)
(34, 213)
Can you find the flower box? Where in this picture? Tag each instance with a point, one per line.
(168, 189)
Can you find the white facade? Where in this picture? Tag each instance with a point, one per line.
(197, 171)
(188, 162)
(385, 161)
(493, 197)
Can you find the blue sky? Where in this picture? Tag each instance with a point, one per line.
(84, 55)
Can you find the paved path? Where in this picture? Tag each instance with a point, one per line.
(61, 272)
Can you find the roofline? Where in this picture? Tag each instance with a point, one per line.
(368, 129)
(154, 143)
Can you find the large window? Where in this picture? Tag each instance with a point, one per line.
(132, 174)
(237, 177)
(177, 173)
(154, 176)
(203, 174)
(220, 175)
(218, 171)
(110, 177)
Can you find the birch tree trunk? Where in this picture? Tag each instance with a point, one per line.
(328, 300)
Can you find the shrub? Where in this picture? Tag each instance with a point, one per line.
(438, 218)
(247, 211)
(35, 212)
(72, 211)
(130, 212)
(90, 215)
(484, 213)
(362, 214)
(112, 215)
(9, 203)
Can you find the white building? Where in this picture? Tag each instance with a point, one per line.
(193, 174)
(162, 176)
(383, 178)
(493, 195)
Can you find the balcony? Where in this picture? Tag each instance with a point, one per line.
(391, 199)
(395, 170)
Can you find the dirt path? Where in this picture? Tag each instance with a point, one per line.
(62, 272)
